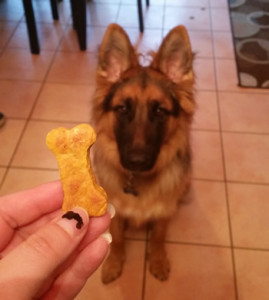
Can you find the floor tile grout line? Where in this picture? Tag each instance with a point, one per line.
(49, 81)
(224, 167)
(251, 249)
(195, 129)
(118, 12)
(249, 91)
(200, 244)
(38, 120)
(231, 181)
(197, 244)
(13, 154)
(31, 168)
(163, 21)
(227, 194)
(10, 37)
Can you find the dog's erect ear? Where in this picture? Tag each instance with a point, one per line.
(116, 53)
(175, 56)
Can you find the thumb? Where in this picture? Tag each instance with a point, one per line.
(33, 261)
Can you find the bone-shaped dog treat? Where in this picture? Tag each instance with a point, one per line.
(70, 148)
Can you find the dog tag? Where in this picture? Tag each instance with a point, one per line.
(129, 187)
(130, 190)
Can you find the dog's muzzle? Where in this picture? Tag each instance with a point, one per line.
(137, 160)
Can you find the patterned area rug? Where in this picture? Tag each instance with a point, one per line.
(250, 26)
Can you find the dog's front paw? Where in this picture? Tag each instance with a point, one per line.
(160, 267)
(112, 269)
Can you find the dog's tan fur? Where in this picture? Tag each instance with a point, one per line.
(161, 188)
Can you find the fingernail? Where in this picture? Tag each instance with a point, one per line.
(107, 236)
(111, 210)
(74, 220)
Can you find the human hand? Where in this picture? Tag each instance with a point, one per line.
(44, 255)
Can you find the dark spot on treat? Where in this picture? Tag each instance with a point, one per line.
(72, 215)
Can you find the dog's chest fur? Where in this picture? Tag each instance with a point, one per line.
(157, 196)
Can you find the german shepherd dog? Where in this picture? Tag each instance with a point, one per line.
(142, 116)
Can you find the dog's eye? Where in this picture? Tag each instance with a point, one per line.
(122, 109)
(158, 110)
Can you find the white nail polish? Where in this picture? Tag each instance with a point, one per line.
(111, 209)
(107, 236)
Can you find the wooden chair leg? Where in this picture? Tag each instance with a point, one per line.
(140, 16)
(74, 12)
(31, 26)
(54, 9)
(81, 24)
(78, 8)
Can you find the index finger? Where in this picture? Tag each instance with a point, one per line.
(24, 207)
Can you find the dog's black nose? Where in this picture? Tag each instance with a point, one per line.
(137, 160)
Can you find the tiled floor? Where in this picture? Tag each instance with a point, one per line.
(219, 241)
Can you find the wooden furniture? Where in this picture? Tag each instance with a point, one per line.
(79, 22)
(78, 8)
